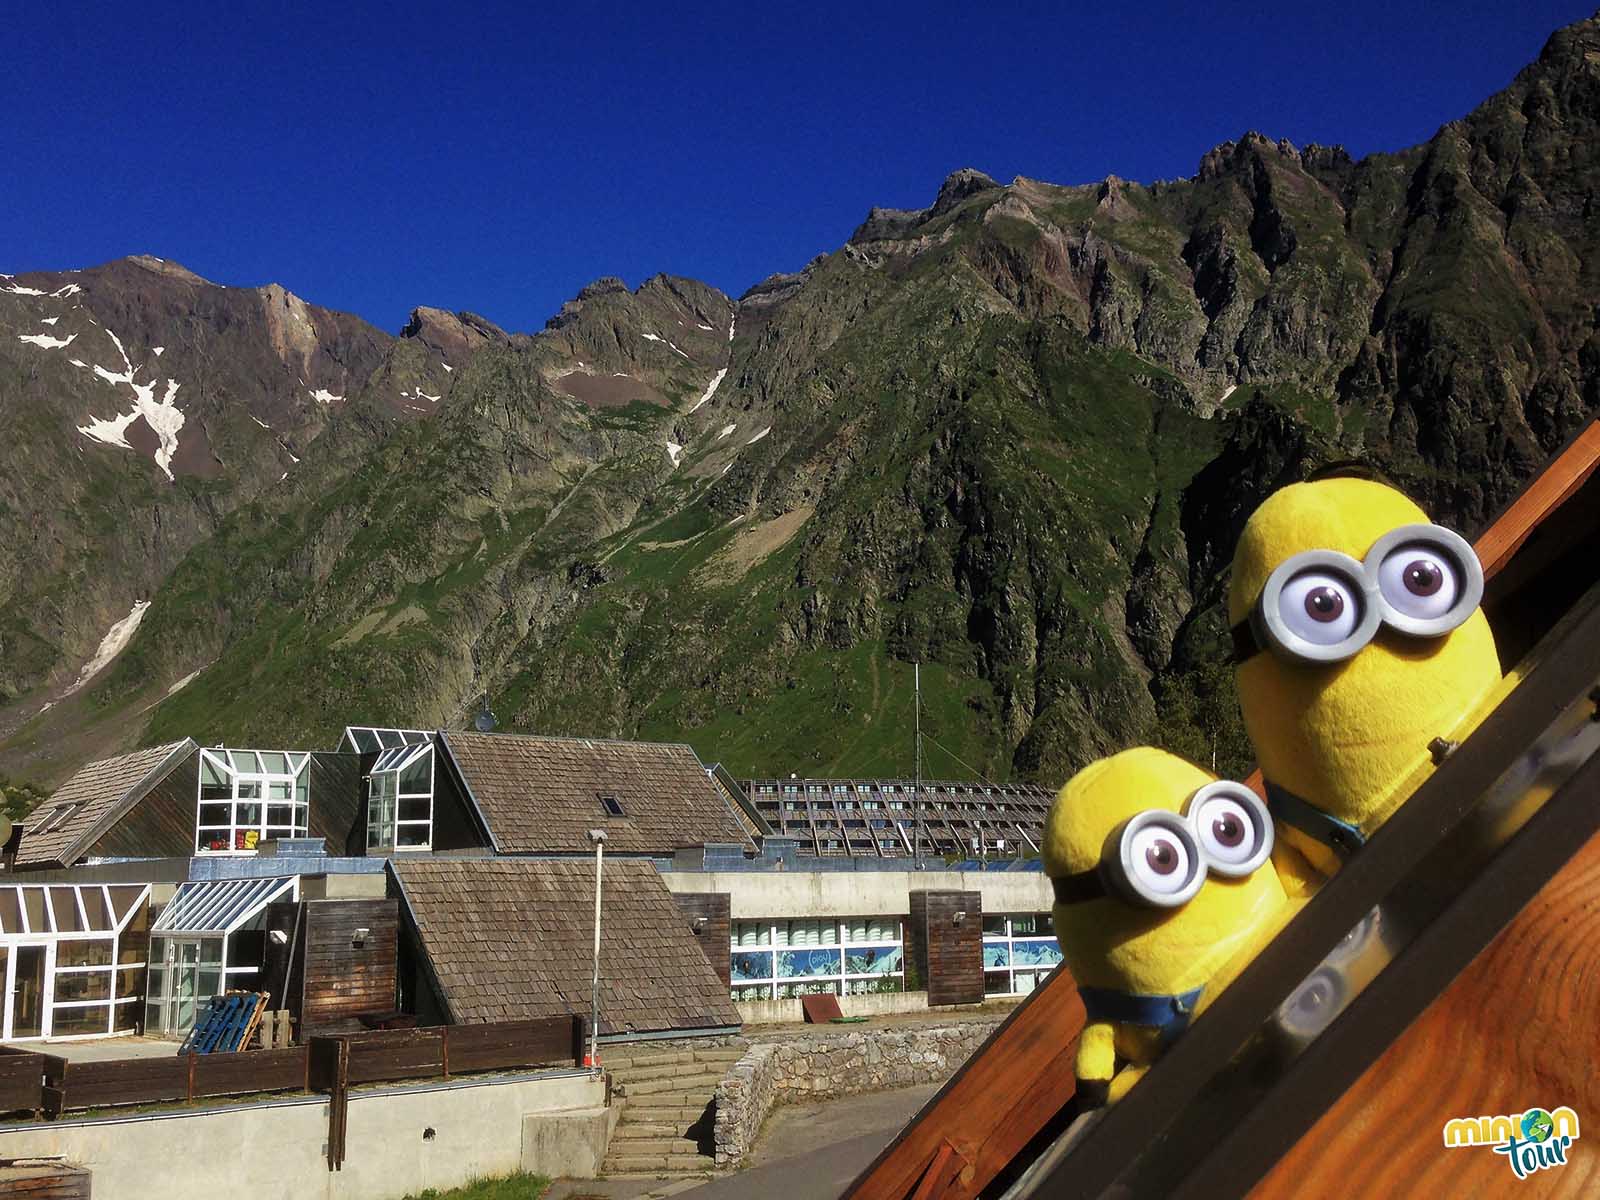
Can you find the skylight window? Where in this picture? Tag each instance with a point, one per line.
(248, 796)
(612, 805)
(400, 799)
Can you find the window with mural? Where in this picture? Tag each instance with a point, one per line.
(777, 960)
(1019, 950)
(247, 796)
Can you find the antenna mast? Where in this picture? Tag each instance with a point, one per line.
(916, 781)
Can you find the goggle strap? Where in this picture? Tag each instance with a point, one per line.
(1343, 839)
(1245, 645)
(1075, 889)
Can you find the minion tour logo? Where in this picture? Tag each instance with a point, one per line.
(1532, 1141)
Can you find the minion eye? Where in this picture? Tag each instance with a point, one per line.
(1320, 607)
(1233, 826)
(1419, 581)
(1160, 860)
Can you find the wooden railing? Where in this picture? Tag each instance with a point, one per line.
(31, 1081)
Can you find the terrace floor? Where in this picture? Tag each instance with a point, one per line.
(102, 1049)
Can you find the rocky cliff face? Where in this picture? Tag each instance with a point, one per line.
(1011, 436)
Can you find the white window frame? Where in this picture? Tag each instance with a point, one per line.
(383, 835)
(1010, 940)
(837, 982)
(263, 781)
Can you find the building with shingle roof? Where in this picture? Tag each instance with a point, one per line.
(541, 795)
(96, 797)
(511, 939)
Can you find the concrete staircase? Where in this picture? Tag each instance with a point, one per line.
(668, 1109)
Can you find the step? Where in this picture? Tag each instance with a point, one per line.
(655, 1129)
(678, 1119)
(659, 1165)
(669, 1070)
(676, 1085)
(636, 1147)
(622, 1061)
(709, 1172)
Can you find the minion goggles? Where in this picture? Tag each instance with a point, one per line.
(1159, 858)
(1321, 606)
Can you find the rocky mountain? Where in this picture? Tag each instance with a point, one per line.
(1011, 436)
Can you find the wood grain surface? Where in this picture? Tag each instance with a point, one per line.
(1519, 1027)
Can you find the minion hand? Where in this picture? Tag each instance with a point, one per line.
(1096, 1063)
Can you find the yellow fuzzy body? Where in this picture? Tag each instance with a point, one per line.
(1351, 738)
(1108, 943)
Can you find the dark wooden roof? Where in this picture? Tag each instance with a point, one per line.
(97, 795)
(542, 794)
(513, 939)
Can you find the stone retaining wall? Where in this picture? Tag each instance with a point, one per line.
(824, 1066)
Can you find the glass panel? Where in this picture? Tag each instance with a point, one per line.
(125, 1016)
(92, 953)
(997, 983)
(872, 960)
(128, 979)
(82, 985)
(389, 737)
(418, 777)
(274, 762)
(752, 933)
(27, 997)
(1035, 953)
(996, 954)
(158, 980)
(33, 903)
(280, 817)
(416, 808)
(281, 790)
(210, 952)
(412, 835)
(153, 1017)
(212, 775)
(10, 911)
(994, 926)
(747, 992)
(808, 962)
(216, 815)
(747, 965)
(76, 1022)
(302, 788)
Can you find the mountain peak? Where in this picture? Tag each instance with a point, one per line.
(164, 266)
(451, 333)
(958, 185)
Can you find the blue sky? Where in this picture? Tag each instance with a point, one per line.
(496, 158)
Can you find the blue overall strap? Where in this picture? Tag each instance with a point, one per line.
(1344, 840)
(1170, 1014)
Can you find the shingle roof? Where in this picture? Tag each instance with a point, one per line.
(543, 793)
(98, 794)
(512, 939)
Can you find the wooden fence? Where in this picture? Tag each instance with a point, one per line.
(46, 1083)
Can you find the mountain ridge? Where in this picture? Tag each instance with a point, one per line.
(1010, 435)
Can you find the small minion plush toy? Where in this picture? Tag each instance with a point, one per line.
(1361, 655)
(1163, 890)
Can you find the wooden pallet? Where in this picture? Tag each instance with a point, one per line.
(228, 1025)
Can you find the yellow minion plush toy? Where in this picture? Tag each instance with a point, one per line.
(1361, 652)
(1163, 890)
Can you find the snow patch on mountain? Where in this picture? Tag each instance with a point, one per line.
(163, 416)
(759, 436)
(711, 388)
(116, 639)
(324, 396)
(45, 342)
(726, 430)
(674, 452)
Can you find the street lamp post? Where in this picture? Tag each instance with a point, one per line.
(598, 837)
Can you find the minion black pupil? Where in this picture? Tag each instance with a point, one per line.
(1228, 830)
(1324, 604)
(1163, 859)
(1423, 578)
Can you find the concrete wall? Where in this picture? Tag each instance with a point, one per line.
(756, 894)
(279, 1149)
